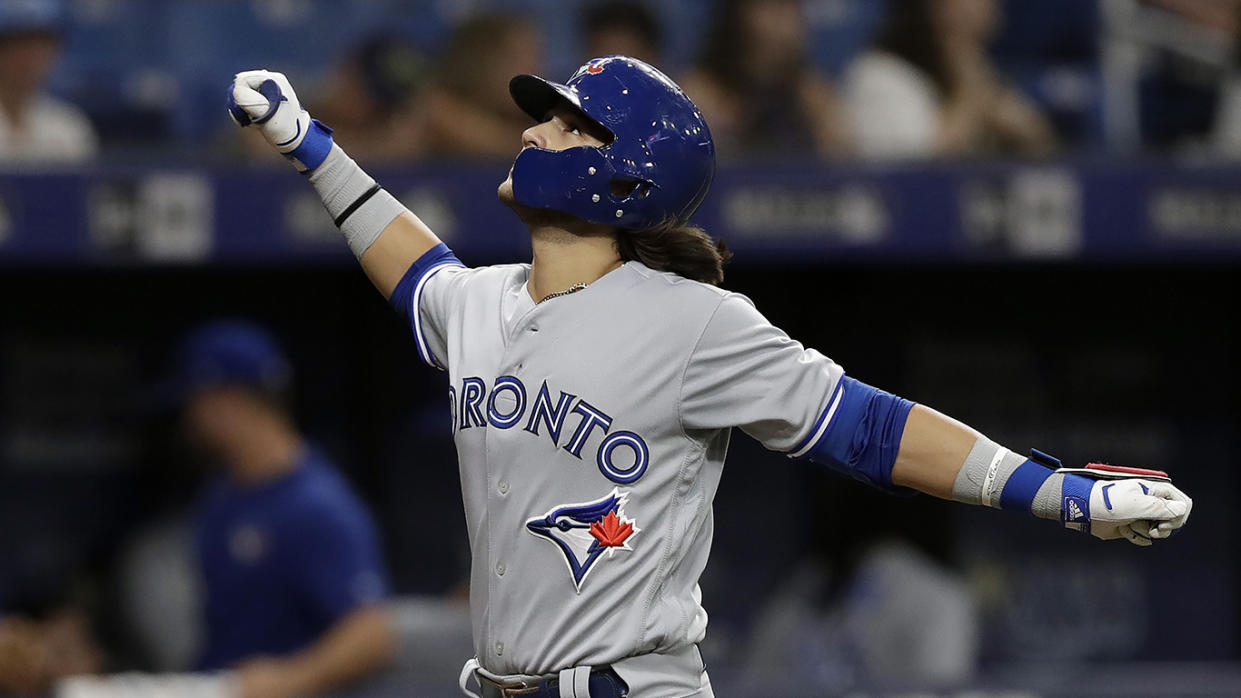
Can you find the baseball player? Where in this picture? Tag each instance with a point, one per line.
(292, 576)
(593, 391)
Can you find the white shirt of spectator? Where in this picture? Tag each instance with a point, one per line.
(892, 106)
(51, 131)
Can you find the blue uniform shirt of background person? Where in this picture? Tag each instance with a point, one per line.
(282, 561)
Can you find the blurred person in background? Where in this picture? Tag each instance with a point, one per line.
(288, 555)
(469, 109)
(370, 102)
(891, 617)
(928, 88)
(624, 28)
(758, 90)
(36, 128)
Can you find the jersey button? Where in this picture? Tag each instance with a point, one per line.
(500, 569)
(499, 648)
(503, 487)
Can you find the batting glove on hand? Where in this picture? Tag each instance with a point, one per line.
(1140, 511)
(265, 99)
(1138, 505)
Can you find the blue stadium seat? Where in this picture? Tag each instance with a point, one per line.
(210, 41)
(106, 46)
(1050, 49)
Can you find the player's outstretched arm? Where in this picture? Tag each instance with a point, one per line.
(933, 447)
(385, 236)
(944, 458)
(747, 373)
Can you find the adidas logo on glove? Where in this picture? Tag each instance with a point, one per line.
(1073, 510)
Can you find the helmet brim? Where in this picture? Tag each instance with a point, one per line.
(538, 97)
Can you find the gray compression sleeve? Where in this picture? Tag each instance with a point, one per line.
(1046, 504)
(986, 470)
(358, 206)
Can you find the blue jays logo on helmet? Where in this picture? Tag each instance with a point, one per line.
(583, 533)
(657, 167)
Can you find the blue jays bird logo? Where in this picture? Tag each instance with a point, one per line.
(584, 532)
(594, 67)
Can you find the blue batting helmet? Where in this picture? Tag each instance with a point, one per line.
(657, 167)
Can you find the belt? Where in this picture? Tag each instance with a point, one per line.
(601, 683)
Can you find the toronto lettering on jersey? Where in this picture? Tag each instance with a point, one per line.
(622, 456)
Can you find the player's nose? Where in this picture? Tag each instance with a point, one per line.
(532, 138)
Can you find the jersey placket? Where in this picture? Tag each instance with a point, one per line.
(503, 522)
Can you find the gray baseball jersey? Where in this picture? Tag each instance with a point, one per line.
(591, 431)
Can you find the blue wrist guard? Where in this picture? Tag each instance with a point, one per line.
(313, 149)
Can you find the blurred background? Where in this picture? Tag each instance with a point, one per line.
(1025, 213)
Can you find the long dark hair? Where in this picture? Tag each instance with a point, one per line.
(680, 248)
(908, 33)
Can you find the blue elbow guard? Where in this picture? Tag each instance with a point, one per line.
(864, 435)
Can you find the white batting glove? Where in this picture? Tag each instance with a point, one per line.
(266, 100)
(1140, 511)
(1115, 501)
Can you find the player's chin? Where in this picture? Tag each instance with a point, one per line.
(505, 192)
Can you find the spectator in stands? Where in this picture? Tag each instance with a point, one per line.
(928, 88)
(289, 558)
(469, 109)
(36, 128)
(622, 27)
(371, 100)
(756, 88)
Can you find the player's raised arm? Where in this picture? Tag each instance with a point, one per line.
(385, 236)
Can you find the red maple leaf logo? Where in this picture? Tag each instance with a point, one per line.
(594, 68)
(610, 532)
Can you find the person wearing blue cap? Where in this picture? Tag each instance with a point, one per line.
(34, 126)
(289, 556)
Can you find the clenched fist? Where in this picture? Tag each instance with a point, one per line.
(265, 100)
(1137, 510)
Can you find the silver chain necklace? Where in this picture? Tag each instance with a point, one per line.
(572, 289)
